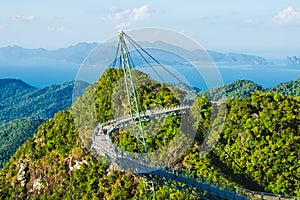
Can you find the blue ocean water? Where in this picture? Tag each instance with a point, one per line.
(265, 75)
(41, 72)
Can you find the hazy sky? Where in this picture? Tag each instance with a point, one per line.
(263, 27)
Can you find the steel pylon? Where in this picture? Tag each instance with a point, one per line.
(127, 67)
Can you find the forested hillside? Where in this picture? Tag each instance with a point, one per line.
(237, 89)
(14, 133)
(23, 108)
(257, 149)
(261, 134)
(38, 103)
(244, 88)
(291, 88)
(13, 87)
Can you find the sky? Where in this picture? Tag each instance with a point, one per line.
(265, 27)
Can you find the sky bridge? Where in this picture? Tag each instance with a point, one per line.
(144, 164)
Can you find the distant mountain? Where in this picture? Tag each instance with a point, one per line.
(77, 53)
(293, 60)
(220, 58)
(237, 59)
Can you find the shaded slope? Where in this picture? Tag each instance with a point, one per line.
(291, 88)
(23, 108)
(37, 103)
(13, 134)
(244, 88)
(237, 89)
(13, 87)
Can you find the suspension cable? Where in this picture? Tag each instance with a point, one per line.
(136, 46)
(116, 56)
(140, 53)
(155, 60)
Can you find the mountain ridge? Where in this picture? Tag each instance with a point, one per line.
(78, 52)
(16, 87)
(23, 108)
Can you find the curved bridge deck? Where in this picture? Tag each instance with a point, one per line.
(190, 183)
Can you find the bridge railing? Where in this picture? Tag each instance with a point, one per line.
(130, 161)
(264, 195)
(131, 164)
(249, 193)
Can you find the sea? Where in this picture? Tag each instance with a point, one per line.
(264, 75)
(41, 72)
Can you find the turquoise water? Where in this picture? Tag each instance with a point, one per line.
(265, 75)
(39, 72)
(44, 72)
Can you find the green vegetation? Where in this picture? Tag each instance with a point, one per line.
(258, 148)
(237, 89)
(13, 87)
(24, 108)
(244, 88)
(262, 135)
(13, 134)
(149, 95)
(35, 103)
(56, 166)
(291, 88)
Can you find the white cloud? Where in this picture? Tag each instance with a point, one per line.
(26, 18)
(128, 17)
(124, 14)
(141, 13)
(288, 16)
(1, 27)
